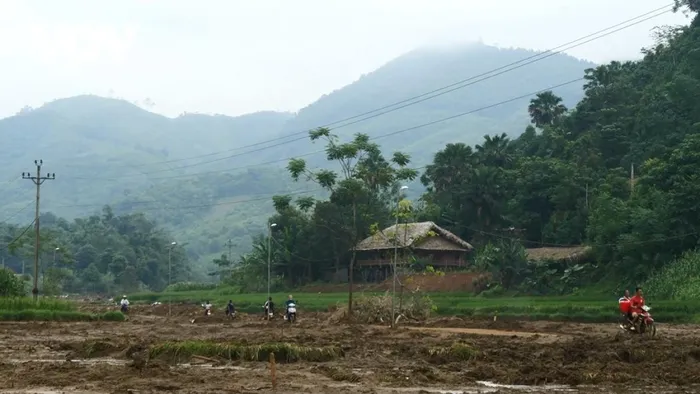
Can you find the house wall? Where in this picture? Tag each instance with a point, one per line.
(442, 258)
(437, 258)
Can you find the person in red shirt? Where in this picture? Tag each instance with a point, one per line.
(625, 307)
(636, 303)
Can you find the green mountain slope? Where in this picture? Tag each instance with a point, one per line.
(422, 71)
(107, 151)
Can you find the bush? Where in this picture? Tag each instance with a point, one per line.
(377, 309)
(27, 303)
(678, 280)
(10, 284)
(190, 286)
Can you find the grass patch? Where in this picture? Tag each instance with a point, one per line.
(284, 352)
(52, 315)
(27, 303)
(456, 352)
(565, 308)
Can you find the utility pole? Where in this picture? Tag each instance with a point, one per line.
(396, 257)
(632, 178)
(230, 262)
(38, 180)
(170, 275)
(230, 245)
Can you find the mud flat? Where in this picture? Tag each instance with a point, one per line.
(154, 353)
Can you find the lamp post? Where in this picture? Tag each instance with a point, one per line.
(269, 257)
(170, 299)
(396, 257)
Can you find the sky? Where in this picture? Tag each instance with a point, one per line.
(234, 57)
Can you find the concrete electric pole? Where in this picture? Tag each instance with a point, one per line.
(38, 180)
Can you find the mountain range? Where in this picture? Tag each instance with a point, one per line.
(210, 178)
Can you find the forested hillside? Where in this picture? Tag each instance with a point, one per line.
(208, 179)
(98, 254)
(567, 180)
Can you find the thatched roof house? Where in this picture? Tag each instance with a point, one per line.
(425, 241)
(571, 253)
(423, 235)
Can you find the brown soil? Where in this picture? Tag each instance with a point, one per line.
(108, 357)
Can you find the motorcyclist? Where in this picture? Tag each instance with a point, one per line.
(636, 304)
(207, 308)
(230, 309)
(124, 304)
(289, 301)
(625, 303)
(269, 307)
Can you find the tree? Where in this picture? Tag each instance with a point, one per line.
(92, 279)
(364, 174)
(693, 5)
(10, 284)
(546, 109)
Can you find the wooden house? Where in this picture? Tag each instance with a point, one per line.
(421, 241)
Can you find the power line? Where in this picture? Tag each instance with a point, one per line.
(266, 197)
(373, 138)
(559, 245)
(431, 94)
(263, 197)
(9, 181)
(16, 213)
(500, 72)
(18, 237)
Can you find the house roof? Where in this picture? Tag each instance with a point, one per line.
(411, 235)
(558, 253)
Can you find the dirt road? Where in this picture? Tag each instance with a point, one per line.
(451, 355)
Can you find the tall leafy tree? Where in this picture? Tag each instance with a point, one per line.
(363, 175)
(545, 109)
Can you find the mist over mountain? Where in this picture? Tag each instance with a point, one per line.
(199, 175)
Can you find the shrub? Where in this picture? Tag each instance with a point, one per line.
(377, 309)
(10, 284)
(27, 303)
(678, 280)
(190, 286)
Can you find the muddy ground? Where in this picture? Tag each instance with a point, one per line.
(109, 357)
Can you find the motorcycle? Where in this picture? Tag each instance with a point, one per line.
(268, 313)
(643, 325)
(207, 310)
(291, 315)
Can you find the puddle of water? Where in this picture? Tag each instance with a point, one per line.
(113, 361)
(215, 367)
(548, 388)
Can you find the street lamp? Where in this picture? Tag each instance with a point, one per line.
(54, 256)
(396, 256)
(170, 272)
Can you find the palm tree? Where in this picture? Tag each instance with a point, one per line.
(496, 151)
(545, 109)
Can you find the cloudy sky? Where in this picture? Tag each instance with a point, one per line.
(235, 56)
